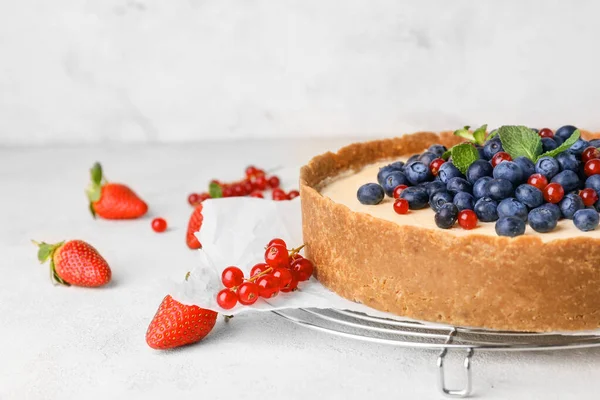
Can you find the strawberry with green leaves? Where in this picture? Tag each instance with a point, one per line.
(113, 200)
(75, 262)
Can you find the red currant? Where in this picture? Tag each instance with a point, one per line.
(193, 199)
(232, 276)
(250, 171)
(247, 186)
(226, 299)
(590, 153)
(159, 225)
(589, 196)
(293, 283)
(238, 190)
(398, 190)
(499, 157)
(401, 206)
(545, 132)
(592, 167)
(295, 257)
(247, 293)
(467, 219)
(435, 165)
(279, 195)
(538, 180)
(304, 269)
(259, 172)
(553, 193)
(203, 196)
(277, 256)
(257, 194)
(293, 194)
(285, 277)
(274, 182)
(277, 242)
(260, 183)
(227, 191)
(259, 268)
(268, 286)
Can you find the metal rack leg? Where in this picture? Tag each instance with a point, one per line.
(466, 391)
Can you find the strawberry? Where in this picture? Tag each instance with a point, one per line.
(194, 226)
(176, 324)
(113, 200)
(75, 263)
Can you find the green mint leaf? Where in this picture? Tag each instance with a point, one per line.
(215, 190)
(463, 155)
(96, 173)
(447, 154)
(492, 134)
(520, 141)
(464, 133)
(479, 134)
(563, 147)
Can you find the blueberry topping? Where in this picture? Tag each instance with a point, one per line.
(414, 157)
(479, 188)
(527, 166)
(464, 201)
(568, 179)
(439, 199)
(385, 171)
(486, 209)
(492, 147)
(510, 226)
(448, 171)
(510, 171)
(548, 144)
(417, 172)
(564, 132)
(578, 147)
(567, 161)
(586, 220)
(554, 209)
(458, 184)
(437, 149)
(570, 204)
(593, 182)
(529, 195)
(512, 208)
(416, 196)
(446, 216)
(370, 194)
(479, 169)
(427, 157)
(595, 143)
(392, 180)
(542, 220)
(434, 187)
(547, 166)
(499, 189)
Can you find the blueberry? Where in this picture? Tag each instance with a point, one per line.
(510, 226)
(567, 161)
(413, 158)
(547, 166)
(565, 132)
(479, 169)
(417, 172)
(499, 189)
(437, 149)
(439, 199)
(448, 171)
(527, 166)
(427, 157)
(385, 171)
(464, 201)
(554, 209)
(570, 204)
(529, 195)
(578, 147)
(542, 220)
(492, 147)
(593, 182)
(392, 180)
(595, 142)
(458, 184)
(479, 188)
(481, 152)
(446, 216)
(434, 187)
(558, 140)
(417, 197)
(486, 209)
(512, 208)
(370, 194)
(510, 171)
(597, 206)
(586, 220)
(548, 144)
(568, 179)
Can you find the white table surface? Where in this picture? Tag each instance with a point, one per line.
(74, 343)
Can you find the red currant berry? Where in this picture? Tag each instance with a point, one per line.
(226, 299)
(589, 196)
(277, 256)
(268, 286)
(304, 269)
(546, 133)
(295, 257)
(398, 190)
(203, 196)
(401, 206)
(256, 194)
(194, 199)
(227, 191)
(293, 283)
(238, 190)
(250, 171)
(293, 194)
(435, 165)
(259, 172)
(592, 167)
(279, 195)
(590, 153)
(260, 183)
(284, 275)
(215, 182)
(259, 268)
(499, 157)
(159, 225)
(274, 182)
(277, 242)
(232, 276)
(538, 180)
(247, 293)
(467, 219)
(553, 193)
(247, 186)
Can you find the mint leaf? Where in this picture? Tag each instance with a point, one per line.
(563, 147)
(463, 155)
(492, 134)
(520, 141)
(447, 155)
(215, 190)
(464, 133)
(479, 134)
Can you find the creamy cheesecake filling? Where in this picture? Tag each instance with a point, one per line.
(342, 189)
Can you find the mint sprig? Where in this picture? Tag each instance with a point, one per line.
(463, 155)
(520, 141)
(477, 136)
(563, 147)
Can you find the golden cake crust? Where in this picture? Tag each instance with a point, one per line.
(517, 284)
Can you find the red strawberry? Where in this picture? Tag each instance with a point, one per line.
(75, 263)
(176, 324)
(113, 200)
(194, 226)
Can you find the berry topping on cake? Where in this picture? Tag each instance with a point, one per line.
(512, 208)
(435, 165)
(529, 195)
(401, 206)
(467, 219)
(570, 205)
(370, 193)
(586, 220)
(542, 220)
(398, 190)
(446, 216)
(553, 193)
(500, 157)
(486, 209)
(510, 226)
(538, 180)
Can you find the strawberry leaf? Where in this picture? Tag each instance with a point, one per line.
(44, 251)
(96, 173)
(215, 191)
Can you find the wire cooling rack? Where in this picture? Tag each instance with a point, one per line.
(433, 336)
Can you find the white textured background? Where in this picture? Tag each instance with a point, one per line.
(178, 70)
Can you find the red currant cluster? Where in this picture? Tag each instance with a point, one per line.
(281, 272)
(254, 184)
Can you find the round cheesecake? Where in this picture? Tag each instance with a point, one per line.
(406, 265)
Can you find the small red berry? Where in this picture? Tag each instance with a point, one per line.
(159, 225)
(232, 276)
(268, 286)
(250, 171)
(238, 190)
(435, 165)
(247, 186)
(259, 172)
(260, 183)
(285, 277)
(227, 191)
(247, 293)
(398, 190)
(499, 157)
(215, 182)
(203, 196)
(592, 167)
(546, 133)
(277, 256)
(295, 257)
(538, 180)
(589, 196)
(227, 299)
(467, 219)
(194, 199)
(401, 206)
(293, 283)
(553, 193)
(590, 153)
(304, 269)
(256, 194)
(274, 182)
(259, 268)
(293, 194)
(279, 195)
(278, 242)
